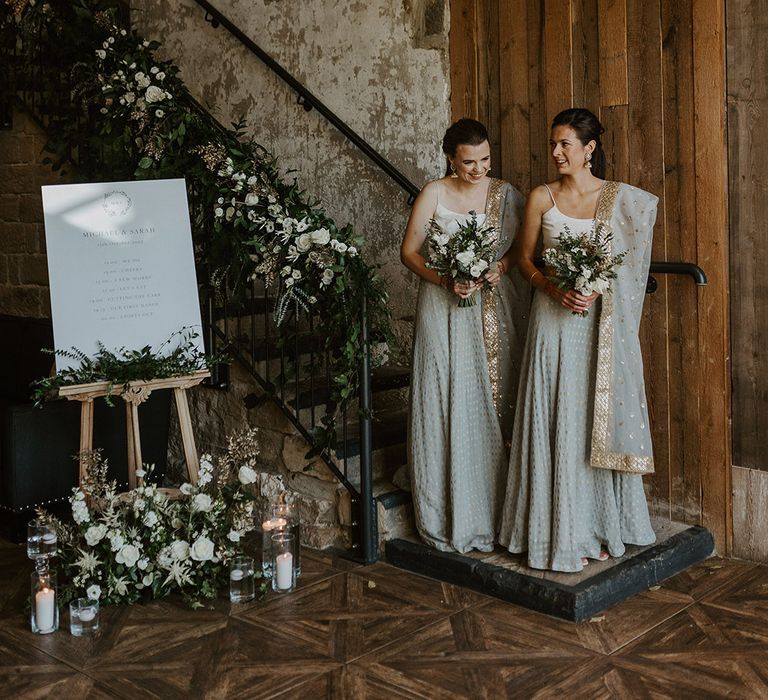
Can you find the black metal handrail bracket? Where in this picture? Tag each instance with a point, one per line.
(309, 101)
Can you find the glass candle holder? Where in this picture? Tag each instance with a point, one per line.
(42, 540)
(268, 528)
(242, 585)
(290, 513)
(45, 611)
(284, 558)
(83, 617)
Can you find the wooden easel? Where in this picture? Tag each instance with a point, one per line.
(134, 394)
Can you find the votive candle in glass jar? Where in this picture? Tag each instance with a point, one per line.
(289, 512)
(45, 612)
(268, 528)
(42, 540)
(284, 558)
(242, 586)
(83, 617)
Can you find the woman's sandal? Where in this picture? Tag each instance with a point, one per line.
(603, 556)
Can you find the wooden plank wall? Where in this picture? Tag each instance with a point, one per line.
(515, 64)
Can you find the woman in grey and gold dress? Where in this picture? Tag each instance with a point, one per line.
(581, 439)
(465, 360)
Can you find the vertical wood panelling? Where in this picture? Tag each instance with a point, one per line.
(490, 69)
(747, 23)
(712, 245)
(631, 61)
(679, 495)
(585, 42)
(558, 86)
(515, 116)
(465, 83)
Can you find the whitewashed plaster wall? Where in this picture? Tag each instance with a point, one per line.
(381, 65)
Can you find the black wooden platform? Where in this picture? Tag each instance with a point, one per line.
(555, 594)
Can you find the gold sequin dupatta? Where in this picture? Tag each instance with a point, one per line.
(490, 299)
(621, 438)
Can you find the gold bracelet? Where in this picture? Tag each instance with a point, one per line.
(530, 279)
(502, 267)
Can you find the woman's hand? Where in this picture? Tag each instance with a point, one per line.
(495, 273)
(571, 300)
(461, 289)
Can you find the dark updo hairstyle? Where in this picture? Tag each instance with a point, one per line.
(588, 128)
(467, 132)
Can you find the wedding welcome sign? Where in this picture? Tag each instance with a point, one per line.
(120, 265)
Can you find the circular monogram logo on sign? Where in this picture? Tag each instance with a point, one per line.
(116, 203)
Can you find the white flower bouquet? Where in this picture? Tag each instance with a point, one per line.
(583, 262)
(141, 544)
(463, 255)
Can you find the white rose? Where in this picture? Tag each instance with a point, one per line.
(252, 180)
(164, 560)
(150, 519)
(304, 242)
(246, 475)
(465, 257)
(116, 541)
(129, 98)
(482, 264)
(600, 285)
(94, 534)
(218, 212)
(161, 76)
(142, 80)
(233, 536)
(321, 236)
(251, 199)
(202, 502)
(101, 53)
(341, 247)
(180, 550)
(154, 94)
(143, 564)
(352, 251)
(187, 489)
(154, 70)
(201, 549)
(128, 555)
(327, 277)
(296, 274)
(93, 591)
(80, 512)
(475, 271)
(159, 113)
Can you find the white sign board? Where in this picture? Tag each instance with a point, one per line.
(120, 265)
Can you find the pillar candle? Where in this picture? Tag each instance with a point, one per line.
(284, 565)
(45, 600)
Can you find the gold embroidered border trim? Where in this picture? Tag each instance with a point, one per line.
(602, 456)
(489, 299)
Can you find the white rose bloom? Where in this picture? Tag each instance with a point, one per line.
(233, 536)
(159, 113)
(201, 549)
(142, 81)
(341, 247)
(143, 564)
(139, 503)
(129, 98)
(202, 502)
(296, 274)
(475, 271)
(116, 542)
(482, 264)
(586, 273)
(327, 277)
(219, 212)
(286, 270)
(204, 478)
(352, 251)
(80, 513)
(187, 489)
(95, 534)
(154, 70)
(180, 550)
(246, 475)
(176, 523)
(289, 282)
(154, 94)
(161, 76)
(93, 591)
(465, 257)
(252, 180)
(302, 225)
(128, 555)
(251, 199)
(321, 236)
(79, 496)
(150, 519)
(304, 242)
(600, 285)
(164, 560)
(101, 53)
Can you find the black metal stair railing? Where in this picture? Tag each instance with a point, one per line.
(246, 328)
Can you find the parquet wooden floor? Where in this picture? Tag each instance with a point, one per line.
(354, 632)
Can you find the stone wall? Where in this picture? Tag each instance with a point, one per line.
(23, 265)
(381, 66)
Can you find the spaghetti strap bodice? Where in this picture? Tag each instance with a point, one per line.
(450, 220)
(553, 221)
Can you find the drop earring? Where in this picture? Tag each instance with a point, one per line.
(588, 158)
(453, 168)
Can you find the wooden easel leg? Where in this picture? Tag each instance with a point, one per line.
(187, 436)
(134, 442)
(86, 433)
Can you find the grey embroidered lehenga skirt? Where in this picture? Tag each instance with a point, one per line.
(557, 507)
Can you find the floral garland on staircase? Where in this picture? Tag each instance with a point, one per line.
(248, 221)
